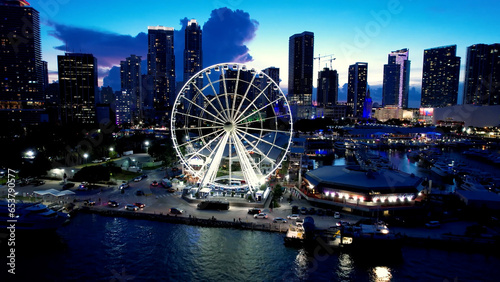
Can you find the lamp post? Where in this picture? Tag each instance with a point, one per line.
(85, 156)
(111, 152)
(146, 144)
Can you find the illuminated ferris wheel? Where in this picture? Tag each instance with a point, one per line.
(231, 126)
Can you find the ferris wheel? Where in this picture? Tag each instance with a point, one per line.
(231, 126)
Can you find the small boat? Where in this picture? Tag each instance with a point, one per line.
(31, 216)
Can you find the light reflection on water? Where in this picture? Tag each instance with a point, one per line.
(381, 274)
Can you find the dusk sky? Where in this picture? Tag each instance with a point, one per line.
(258, 31)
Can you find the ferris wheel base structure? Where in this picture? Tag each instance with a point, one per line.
(231, 127)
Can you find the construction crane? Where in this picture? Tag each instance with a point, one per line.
(319, 60)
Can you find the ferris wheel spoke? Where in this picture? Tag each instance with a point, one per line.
(264, 119)
(199, 127)
(234, 97)
(197, 117)
(212, 169)
(262, 140)
(203, 109)
(256, 148)
(266, 130)
(245, 95)
(248, 166)
(257, 111)
(205, 146)
(206, 98)
(225, 89)
(253, 101)
(216, 96)
(202, 137)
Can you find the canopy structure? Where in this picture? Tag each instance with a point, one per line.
(205, 190)
(54, 192)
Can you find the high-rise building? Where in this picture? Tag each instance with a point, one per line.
(300, 72)
(107, 95)
(357, 87)
(328, 88)
(131, 81)
(161, 67)
(482, 75)
(193, 57)
(440, 77)
(21, 67)
(78, 87)
(123, 106)
(396, 79)
(271, 93)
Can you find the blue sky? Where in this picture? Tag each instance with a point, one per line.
(354, 31)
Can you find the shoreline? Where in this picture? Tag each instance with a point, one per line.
(450, 242)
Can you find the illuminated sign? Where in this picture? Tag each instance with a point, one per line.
(427, 111)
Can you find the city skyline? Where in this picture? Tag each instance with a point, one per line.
(349, 32)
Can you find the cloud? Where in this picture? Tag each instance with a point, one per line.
(108, 47)
(225, 34)
(224, 37)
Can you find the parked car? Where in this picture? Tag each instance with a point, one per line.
(113, 204)
(144, 176)
(260, 215)
(96, 161)
(254, 211)
(303, 210)
(137, 179)
(311, 211)
(171, 190)
(139, 193)
(433, 224)
(68, 185)
(38, 182)
(343, 223)
(124, 185)
(336, 215)
(293, 216)
(329, 212)
(320, 212)
(89, 203)
(279, 220)
(295, 210)
(131, 207)
(175, 211)
(140, 205)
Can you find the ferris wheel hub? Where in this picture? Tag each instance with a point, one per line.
(229, 126)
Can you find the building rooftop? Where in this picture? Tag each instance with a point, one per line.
(355, 179)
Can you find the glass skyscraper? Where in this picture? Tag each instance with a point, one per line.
(328, 87)
(357, 86)
(482, 75)
(131, 82)
(396, 79)
(78, 87)
(300, 71)
(21, 66)
(440, 77)
(161, 68)
(193, 57)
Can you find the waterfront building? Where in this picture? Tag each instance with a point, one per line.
(78, 87)
(131, 81)
(300, 73)
(440, 77)
(396, 79)
(357, 88)
(362, 190)
(328, 88)
(21, 66)
(482, 75)
(468, 115)
(161, 68)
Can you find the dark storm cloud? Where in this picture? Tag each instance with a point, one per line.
(112, 78)
(225, 35)
(108, 47)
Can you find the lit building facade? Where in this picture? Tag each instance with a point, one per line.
(193, 56)
(396, 79)
(482, 75)
(300, 73)
(21, 65)
(357, 88)
(161, 68)
(440, 77)
(78, 87)
(123, 105)
(131, 81)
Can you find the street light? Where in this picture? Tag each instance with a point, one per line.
(85, 156)
(146, 144)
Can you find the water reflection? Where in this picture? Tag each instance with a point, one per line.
(346, 267)
(381, 274)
